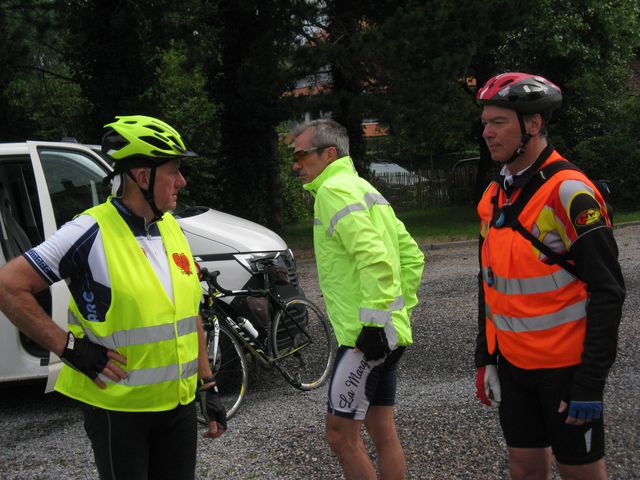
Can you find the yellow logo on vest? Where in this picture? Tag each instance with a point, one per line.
(588, 217)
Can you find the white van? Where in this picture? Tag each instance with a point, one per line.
(44, 184)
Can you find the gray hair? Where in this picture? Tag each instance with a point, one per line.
(326, 132)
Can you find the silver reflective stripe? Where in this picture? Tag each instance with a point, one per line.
(392, 335)
(542, 322)
(317, 221)
(369, 315)
(397, 304)
(390, 328)
(525, 286)
(71, 318)
(381, 316)
(372, 199)
(139, 336)
(187, 325)
(189, 368)
(341, 214)
(149, 376)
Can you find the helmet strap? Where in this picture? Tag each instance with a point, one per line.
(524, 139)
(148, 193)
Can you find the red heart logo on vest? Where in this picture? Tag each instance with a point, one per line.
(181, 260)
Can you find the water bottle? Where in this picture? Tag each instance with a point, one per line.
(246, 325)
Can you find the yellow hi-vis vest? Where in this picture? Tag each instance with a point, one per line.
(158, 337)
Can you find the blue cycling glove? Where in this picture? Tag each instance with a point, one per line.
(584, 404)
(587, 411)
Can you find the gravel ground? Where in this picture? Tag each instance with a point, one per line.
(279, 432)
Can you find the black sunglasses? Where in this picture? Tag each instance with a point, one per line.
(300, 154)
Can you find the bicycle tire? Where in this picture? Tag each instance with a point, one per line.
(305, 364)
(230, 369)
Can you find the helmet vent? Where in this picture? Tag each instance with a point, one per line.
(154, 128)
(155, 142)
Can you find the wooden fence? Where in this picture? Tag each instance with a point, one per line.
(426, 188)
(429, 187)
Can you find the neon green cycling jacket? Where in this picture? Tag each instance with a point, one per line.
(369, 267)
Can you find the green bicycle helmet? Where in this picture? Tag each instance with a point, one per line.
(138, 137)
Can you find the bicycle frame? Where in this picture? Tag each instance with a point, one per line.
(295, 339)
(263, 351)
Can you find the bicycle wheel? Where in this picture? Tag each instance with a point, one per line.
(303, 344)
(230, 369)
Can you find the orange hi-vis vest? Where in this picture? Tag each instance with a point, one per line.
(535, 312)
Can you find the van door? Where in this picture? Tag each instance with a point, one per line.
(69, 181)
(21, 227)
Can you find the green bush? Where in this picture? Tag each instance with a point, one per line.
(297, 204)
(615, 158)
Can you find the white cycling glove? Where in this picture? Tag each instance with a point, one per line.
(488, 385)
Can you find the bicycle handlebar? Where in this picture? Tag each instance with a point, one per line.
(212, 280)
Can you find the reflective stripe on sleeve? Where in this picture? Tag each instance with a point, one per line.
(354, 207)
(370, 199)
(381, 317)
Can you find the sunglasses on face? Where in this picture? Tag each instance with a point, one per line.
(299, 155)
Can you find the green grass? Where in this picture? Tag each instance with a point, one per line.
(438, 224)
(621, 217)
(433, 225)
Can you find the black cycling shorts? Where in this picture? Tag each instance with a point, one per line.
(143, 445)
(356, 384)
(529, 415)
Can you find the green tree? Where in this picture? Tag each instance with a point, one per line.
(248, 79)
(110, 57)
(38, 98)
(12, 34)
(585, 47)
(179, 94)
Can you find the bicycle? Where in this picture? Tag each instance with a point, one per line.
(297, 340)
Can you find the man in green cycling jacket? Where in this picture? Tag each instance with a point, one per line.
(369, 270)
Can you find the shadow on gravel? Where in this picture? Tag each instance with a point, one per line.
(35, 412)
(14, 395)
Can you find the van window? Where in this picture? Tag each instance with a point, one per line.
(20, 217)
(74, 180)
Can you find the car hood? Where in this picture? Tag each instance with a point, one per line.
(231, 233)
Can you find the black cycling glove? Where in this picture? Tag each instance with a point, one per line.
(372, 341)
(212, 407)
(84, 355)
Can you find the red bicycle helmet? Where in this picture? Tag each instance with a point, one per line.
(522, 92)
